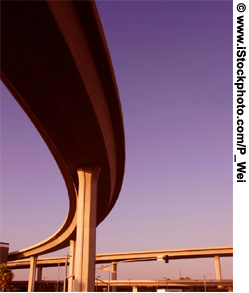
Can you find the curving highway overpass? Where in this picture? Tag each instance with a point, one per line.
(152, 255)
(56, 64)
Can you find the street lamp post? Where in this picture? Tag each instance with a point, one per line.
(104, 268)
(180, 271)
(129, 282)
(109, 280)
(205, 281)
(166, 279)
(157, 274)
(65, 276)
(58, 275)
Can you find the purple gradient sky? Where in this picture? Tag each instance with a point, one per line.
(173, 65)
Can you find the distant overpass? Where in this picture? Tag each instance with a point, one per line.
(171, 253)
(152, 255)
(116, 258)
(168, 283)
(142, 285)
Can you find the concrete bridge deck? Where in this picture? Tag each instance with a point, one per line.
(141, 285)
(56, 63)
(225, 251)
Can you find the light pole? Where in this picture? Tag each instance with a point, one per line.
(65, 276)
(180, 271)
(157, 274)
(205, 281)
(58, 275)
(129, 282)
(104, 268)
(166, 279)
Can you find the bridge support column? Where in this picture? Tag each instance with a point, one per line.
(114, 276)
(86, 230)
(71, 266)
(31, 285)
(39, 277)
(39, 273)
(134, 288)
(217, 267)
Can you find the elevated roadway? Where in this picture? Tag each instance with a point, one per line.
(168, 283)
(171, 253)
(144, 285)
(224, 251)
(55, 62)
(132, 285)
(116, 258)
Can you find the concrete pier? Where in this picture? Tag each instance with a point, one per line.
(31, 285)
(39, 276)
(114, 276)
(71, 266)
(217, 267)
(86, 230)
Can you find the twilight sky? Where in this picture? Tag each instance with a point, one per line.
(173, 66)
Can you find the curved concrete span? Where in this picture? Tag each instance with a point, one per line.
(56, 64)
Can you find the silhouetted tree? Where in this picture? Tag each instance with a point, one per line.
(186, 278)
(6, 277)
